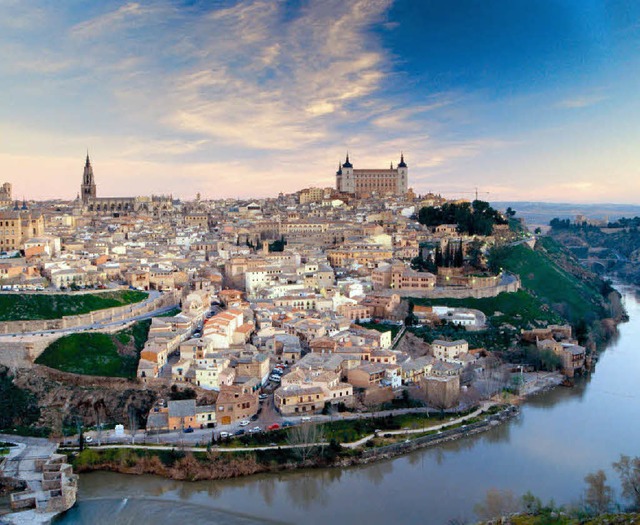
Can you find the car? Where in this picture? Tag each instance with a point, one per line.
(224, 435)
(262, 397)
(88, 439)
(239, 432)
(188, 430)
(244, 422)
(254, 417)
(305, 419)
(255, 430)
(287, 424)
(196, 335)
(275, 378)
(275, 426)
(277, 371)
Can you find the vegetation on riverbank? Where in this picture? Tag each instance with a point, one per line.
(98, 354)
(596, 505)
(208, 464)
(33, 306)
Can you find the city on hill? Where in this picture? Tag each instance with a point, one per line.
(278, 324)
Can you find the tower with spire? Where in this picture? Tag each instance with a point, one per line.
(88, 186)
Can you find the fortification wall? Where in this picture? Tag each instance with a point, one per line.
(118, 313)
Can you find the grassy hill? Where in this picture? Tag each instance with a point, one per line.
(97, 354)
(551, 274)
(27, 307)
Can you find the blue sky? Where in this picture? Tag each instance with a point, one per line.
(528, 100)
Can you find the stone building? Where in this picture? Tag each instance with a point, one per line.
(156, 205)
(5, 195)
(18, 226)
(366, 182)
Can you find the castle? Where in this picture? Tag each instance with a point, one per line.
(366, 182)
(156, 205)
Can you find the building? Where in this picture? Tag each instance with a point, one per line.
(366, 182)
(5, 195)
(155, 205)
(18, 226)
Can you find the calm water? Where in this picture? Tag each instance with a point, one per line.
(559, 437)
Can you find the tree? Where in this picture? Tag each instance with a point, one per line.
(475, 254)
(598, 495)
(132, 412)
(629, 471)
(305, 439)
(497, 503)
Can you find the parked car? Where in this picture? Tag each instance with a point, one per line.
(239, 432)
(188, 430)
(224, 435)
(255, 430)
(88, 439)
(262, 397)
(305, 418)
(275, 426)
(275, 378)
(244, 422)
(254, 417)
(287, 424)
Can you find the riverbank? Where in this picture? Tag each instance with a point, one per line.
(215, 463)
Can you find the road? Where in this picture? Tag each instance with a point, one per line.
(202, 438)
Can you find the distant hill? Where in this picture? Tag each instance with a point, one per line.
(540, 213)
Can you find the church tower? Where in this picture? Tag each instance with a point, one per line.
(88, 187)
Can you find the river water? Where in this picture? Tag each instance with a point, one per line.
(559, 437)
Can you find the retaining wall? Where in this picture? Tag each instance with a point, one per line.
(118, 313)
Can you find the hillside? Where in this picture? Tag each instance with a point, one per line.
(98, 354)
(551, 274)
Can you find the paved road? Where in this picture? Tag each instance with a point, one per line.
(184, 443)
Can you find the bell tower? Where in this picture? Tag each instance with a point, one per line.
(88, 187)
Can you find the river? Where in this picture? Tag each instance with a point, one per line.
(559, 437)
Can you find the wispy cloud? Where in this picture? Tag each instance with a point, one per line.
(581, 101)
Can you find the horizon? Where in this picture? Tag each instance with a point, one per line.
(475, 95)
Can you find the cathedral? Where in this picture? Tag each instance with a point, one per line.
(156, 205)
(368, 182)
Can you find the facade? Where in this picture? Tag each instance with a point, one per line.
(19, 225)
(366, 182)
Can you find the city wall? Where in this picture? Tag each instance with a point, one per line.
(450, 292)
(108, 315)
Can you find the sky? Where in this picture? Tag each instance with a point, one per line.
(522, 99)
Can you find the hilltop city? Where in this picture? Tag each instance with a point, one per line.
(210, 321)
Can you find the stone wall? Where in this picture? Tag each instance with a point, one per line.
(21, 352)
(450, 292)
(119, 313)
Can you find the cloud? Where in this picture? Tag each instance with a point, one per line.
(582, 101)
(129, 15)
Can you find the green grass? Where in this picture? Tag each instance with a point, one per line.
(28, 307)
(98, 354)
(571, 297)
(518, 308)
(550, 293)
